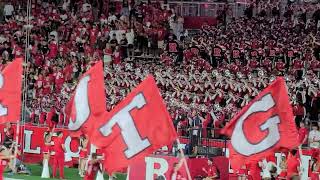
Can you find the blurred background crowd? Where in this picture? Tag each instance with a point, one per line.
(205, 74)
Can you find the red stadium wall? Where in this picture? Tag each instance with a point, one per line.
(152, 166)
(33, 143)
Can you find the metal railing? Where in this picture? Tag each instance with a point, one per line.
(209, 9)
(203, 141)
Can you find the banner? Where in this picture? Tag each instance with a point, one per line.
(263, 127)
(137, 127)
(88, 103)
(33, 143)
(153, 166)
(10, 91)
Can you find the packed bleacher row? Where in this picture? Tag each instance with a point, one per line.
(211, 74)
(66, 40)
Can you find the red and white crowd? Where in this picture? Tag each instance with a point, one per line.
(204, 78)
(214, 72)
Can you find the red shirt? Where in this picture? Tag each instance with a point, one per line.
(195, 51)
(39, 82)
(255, 171)
(243, 171)
(93, 35)
(303, 132)
(298, 110)
(298, 64)
(58, 146)
(61, 118)
(212, 171)
(38, 60)
(42, 117)
(236, 53)
(267, 63)
(290, 53)
(117, 58)
(254, 44)
(207, 121)
(253, 64)
(59, 78)
(271, 158)
(314, 64)
(53, 50)
(188, 54)
(217, 52)
(270, 44)
(68, 72)
(51, 78)
(234, 68)
(161, 34)
(292, 166)
(272, 52)
(54, 16)
(63, 49)
(88, 50)
(280, 65)
(108, 51)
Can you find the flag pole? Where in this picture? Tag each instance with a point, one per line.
(184, 160)
(25, 86)
(128, 173)
(300, 157)
(16, 146)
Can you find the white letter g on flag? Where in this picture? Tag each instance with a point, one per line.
(238, 139)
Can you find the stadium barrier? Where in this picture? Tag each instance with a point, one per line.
(31, 142)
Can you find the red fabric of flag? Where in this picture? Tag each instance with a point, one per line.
(10, 92)
(263, 127)
(138, 126)
(88, 103)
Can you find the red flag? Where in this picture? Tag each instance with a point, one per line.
(88, 102)
(135, 128)
(262, 127)
(10, 92)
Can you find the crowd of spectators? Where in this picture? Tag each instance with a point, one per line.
(205, 78)
(67, 38)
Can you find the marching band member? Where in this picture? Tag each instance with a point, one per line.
(245, 100)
